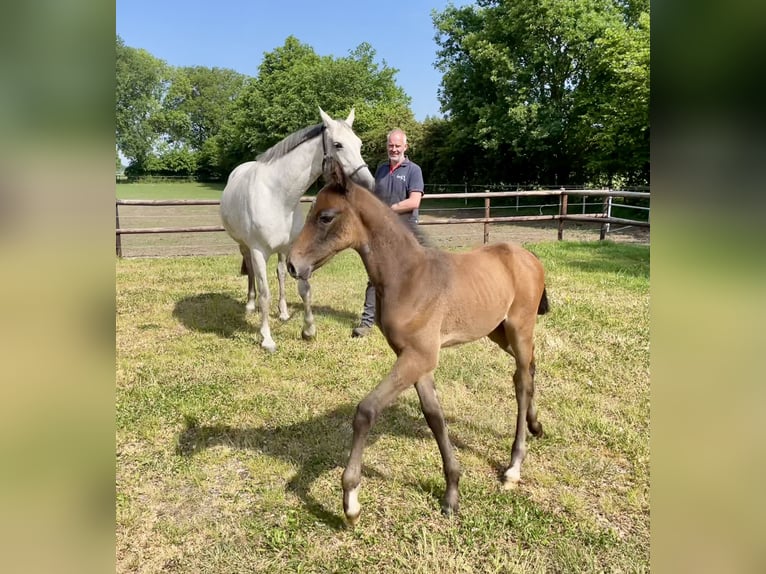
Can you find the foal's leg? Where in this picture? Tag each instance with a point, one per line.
(429, 404)
(284, 314)
(521, 343)
(521, 347)
(407, 370)
(258, 264)
(534, 426)
(246, 261)
(309, 329)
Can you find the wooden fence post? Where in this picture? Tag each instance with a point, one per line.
(119, 236)
(486, 215)
(607, 210)
(562, 212)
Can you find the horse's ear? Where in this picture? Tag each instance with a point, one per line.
(350, 118)
(325, 118)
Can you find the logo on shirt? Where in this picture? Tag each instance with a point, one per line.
(401, 177)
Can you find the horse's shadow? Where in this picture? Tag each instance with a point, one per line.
(225, 316)
(342, 316)
(212, 313)
(314, 446)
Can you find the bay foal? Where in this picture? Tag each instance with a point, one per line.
(427, 299)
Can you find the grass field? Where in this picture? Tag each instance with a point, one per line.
(229, 459)
(170, 190)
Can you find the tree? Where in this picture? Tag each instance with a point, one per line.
(198, 103)
(141, 81)
(294, 82)
(522, 80)
(613, 110)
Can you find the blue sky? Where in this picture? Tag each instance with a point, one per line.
(235, 34)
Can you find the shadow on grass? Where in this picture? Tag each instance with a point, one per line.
(225, 316)
(212, 313)
(342, 317)
(315, 447)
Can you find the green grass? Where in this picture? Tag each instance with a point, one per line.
(169, 190)
(229, 458)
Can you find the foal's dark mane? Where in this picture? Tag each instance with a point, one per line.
(413, 228)
(289, 143)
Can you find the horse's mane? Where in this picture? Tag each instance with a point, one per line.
(335, 176)
(289, 143)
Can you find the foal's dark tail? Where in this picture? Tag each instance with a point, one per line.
(243, 268)
(543, 307)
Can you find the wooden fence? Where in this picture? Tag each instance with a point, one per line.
(603, 218)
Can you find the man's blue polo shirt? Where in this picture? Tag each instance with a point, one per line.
(395, 186)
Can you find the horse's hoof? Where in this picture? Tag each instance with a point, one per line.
(511, 479)
(269, 347)
(448, 511)
(284, 318)
(351, 507)
(250, 309)
(536, 430)
(309, 335)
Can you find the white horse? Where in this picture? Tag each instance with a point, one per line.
(260, 206)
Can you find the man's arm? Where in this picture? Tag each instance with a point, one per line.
(415, 190)
(409, 204)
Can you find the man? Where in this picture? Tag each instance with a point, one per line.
(399, 184)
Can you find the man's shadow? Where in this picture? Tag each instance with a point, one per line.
(314, 446)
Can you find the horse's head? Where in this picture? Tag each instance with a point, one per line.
(344, 146)
(332, 225)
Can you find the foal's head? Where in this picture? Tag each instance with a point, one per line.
(332, 225)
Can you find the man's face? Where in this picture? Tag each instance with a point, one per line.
(396, 147)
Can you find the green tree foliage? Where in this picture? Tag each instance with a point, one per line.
(547, 91)
(294, 82)
(141, 81)
(197, 105)
(613, 109)
(534, 91)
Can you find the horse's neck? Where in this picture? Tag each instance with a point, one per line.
(297, 170)
(390, 250)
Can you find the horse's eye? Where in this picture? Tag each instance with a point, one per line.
(338, 145)
(326, 218)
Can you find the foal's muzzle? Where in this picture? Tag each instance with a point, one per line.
(295, 273)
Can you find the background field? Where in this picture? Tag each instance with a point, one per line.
(229, 459)
(219, 243)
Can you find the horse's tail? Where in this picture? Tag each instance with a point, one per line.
(243, 269)
(543, 307)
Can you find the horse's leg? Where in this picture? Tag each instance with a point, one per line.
(521, 347)
(284, 315)
(520, 340)
(304, 289)
(309, 329)
(407, 370)
(534, 426)
(258, 264)
(248, 269)
(429, 404)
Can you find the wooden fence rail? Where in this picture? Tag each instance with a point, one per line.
(604, 218)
